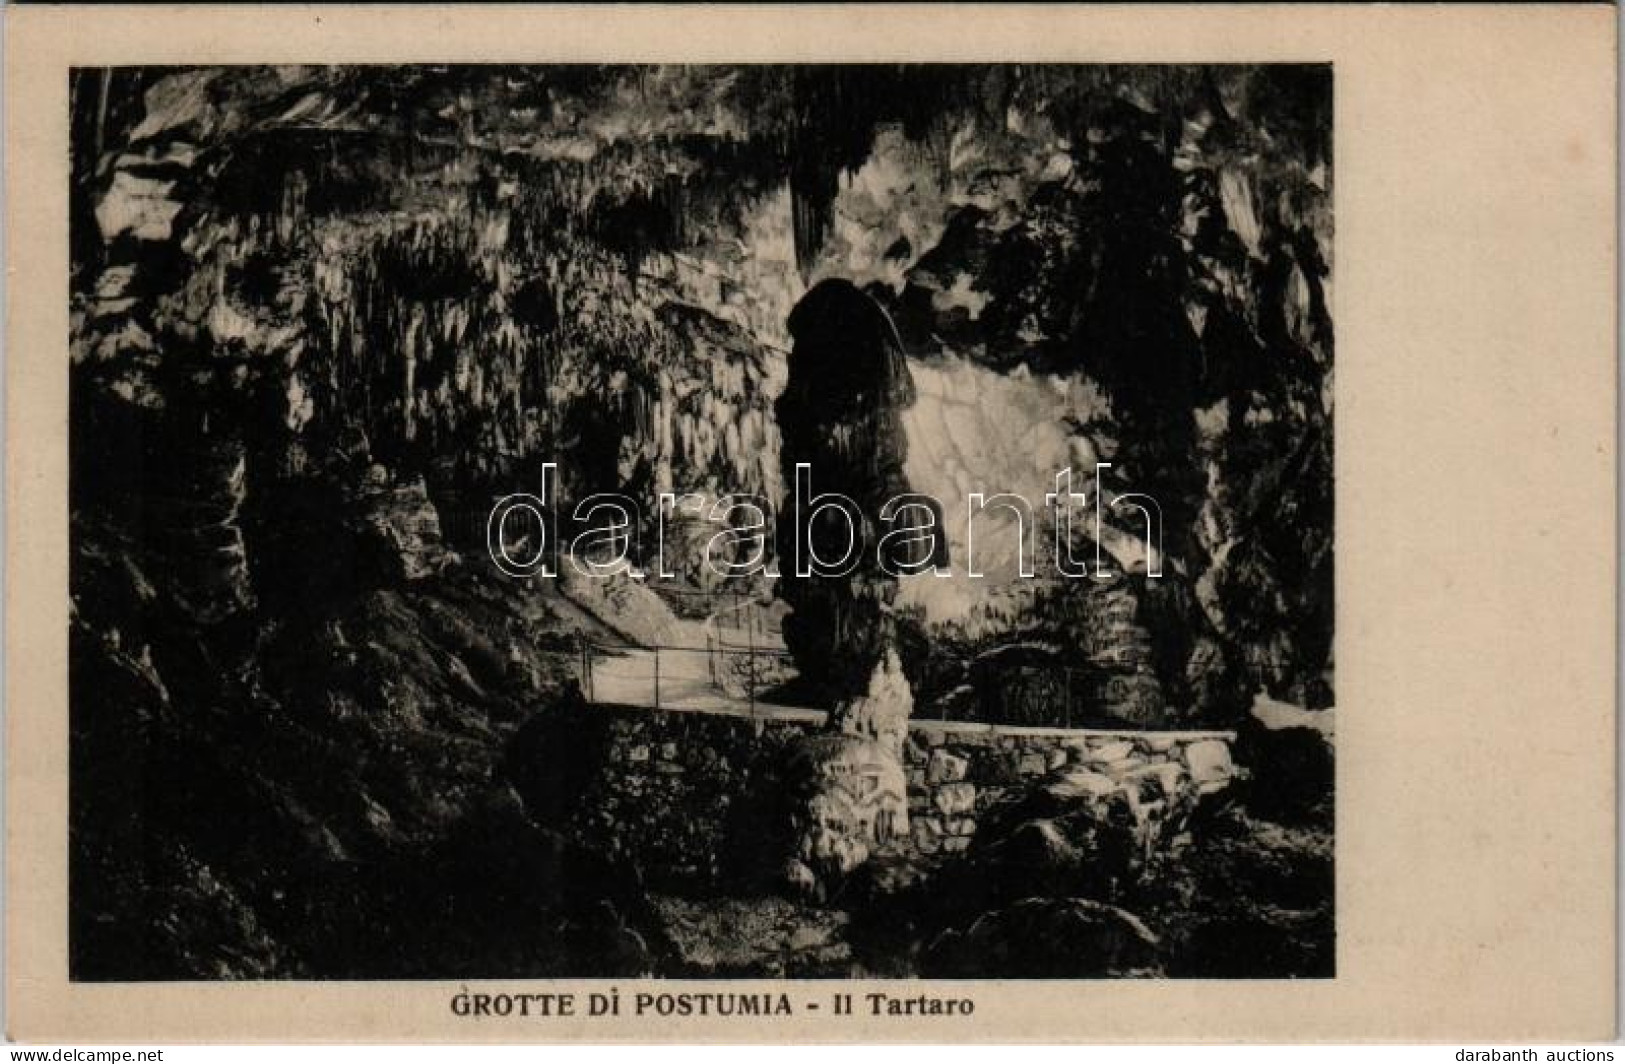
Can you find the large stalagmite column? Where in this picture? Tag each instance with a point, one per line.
(840, 414)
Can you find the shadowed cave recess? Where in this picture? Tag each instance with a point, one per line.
(321, 317)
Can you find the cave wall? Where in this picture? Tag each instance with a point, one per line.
(320, 315)
(459, 273)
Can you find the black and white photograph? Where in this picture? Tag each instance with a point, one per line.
(838, 521)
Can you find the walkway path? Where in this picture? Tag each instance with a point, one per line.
(677, 677)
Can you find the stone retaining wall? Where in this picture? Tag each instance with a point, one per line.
(681, 793)
(687, 794)
(956, 773)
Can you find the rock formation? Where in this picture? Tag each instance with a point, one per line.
(840, 420)
(847, 789)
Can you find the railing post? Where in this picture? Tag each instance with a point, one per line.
(1067, 669)
(750, 663)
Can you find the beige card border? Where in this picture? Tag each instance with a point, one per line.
(1475, 166)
